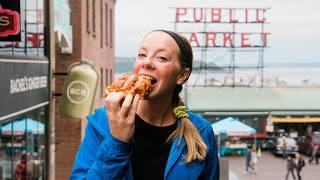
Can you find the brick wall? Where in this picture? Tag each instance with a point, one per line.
(86, 45)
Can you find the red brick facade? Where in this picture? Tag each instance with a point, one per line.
(92, 42)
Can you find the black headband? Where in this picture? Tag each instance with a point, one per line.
(183, 49)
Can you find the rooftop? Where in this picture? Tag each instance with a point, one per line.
(224, 99)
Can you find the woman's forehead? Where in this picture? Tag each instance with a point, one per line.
(161, 40)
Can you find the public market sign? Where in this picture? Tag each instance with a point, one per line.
(10, 20)
(217, 20)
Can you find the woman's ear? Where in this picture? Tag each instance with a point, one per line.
(183, 76)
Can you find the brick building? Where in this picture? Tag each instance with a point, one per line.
(92, 39)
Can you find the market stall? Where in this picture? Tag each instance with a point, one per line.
(231, 127)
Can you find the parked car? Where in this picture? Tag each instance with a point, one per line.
(279, 145)
(305, 143)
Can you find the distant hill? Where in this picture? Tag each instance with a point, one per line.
(275, 74)
(125, 65)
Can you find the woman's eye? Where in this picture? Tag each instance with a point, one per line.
(141, 55)
(162, 58)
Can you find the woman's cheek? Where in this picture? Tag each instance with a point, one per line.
(136, 68)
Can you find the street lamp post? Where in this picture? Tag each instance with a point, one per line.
(255, 134)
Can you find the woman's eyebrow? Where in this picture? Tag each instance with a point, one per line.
(163, 49)
(157, 50)
(143, 48)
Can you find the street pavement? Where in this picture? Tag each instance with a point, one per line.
(269, 168)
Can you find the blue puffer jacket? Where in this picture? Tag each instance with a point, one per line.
(101, 156)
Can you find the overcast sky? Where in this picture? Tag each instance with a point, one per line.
(294, 25)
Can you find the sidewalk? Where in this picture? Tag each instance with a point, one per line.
(269, 168)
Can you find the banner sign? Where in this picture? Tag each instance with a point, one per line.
(23, 85)
(10, 20)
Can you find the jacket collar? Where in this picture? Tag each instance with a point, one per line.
(99, 121)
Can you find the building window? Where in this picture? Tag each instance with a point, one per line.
(111, 29)
(101, 82)
(24, 137)
(101, 23)
(28, 38)
(107, 77)
(93, 18)
(106, 19)
(111, 76)
(88, 17)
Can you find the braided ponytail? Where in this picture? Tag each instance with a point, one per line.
(196, 148)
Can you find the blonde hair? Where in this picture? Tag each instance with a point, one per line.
(196, 148)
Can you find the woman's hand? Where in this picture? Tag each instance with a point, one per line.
(121, 111)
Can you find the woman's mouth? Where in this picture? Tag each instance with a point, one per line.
(153, 82)
(152, 79)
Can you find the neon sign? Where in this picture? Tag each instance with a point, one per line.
(9, 23)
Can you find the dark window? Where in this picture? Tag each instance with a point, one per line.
(107, 77)
(101, 82)
(111, 76)
(107, 31)
(88, 18)
(111, 29)
(101, 23)
(93, 18)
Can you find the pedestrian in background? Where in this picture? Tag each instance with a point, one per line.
(284, 146)
(20, 172)
(156, 137)
(314, 154)
(290, 167)
(299, 163)
(254, 160)
(248, 167)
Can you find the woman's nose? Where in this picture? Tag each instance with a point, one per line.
(148, 63)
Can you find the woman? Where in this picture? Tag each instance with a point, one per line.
(154, 138)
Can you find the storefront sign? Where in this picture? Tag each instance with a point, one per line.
(24, 85)
(27, 84)
(10, 20)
